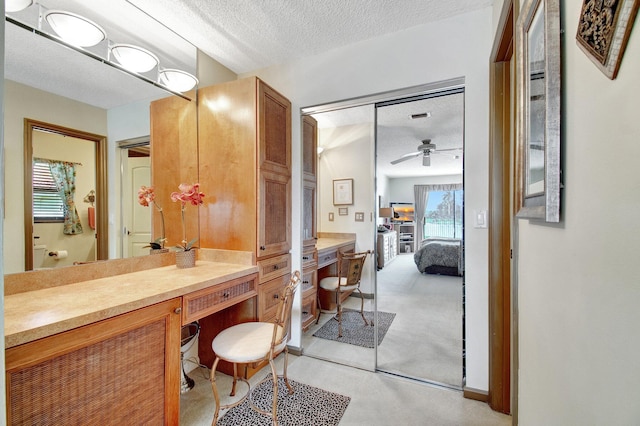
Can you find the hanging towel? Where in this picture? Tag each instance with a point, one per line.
(92, 217)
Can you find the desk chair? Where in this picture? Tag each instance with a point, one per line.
(348, 280)
(254, 342)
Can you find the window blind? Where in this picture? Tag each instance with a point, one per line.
(47, 204)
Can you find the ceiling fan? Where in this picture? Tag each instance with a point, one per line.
(426, 149)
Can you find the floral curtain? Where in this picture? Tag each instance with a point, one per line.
(64, 175)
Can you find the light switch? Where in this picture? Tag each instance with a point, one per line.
(480, 219)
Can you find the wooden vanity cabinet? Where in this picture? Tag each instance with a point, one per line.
(174, 148)
(122, 370)
(244, 153)
(310, 181)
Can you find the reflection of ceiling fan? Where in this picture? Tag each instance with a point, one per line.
(426, 149)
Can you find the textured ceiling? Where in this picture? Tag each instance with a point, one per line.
(243, 35)
(246, 35)
(398, 134)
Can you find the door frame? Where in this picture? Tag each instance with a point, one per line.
(502, 284)
(102, 223)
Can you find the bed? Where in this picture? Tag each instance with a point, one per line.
(439, 256)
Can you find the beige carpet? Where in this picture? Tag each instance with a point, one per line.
(425, 341)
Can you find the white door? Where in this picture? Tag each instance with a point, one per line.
(137, 219)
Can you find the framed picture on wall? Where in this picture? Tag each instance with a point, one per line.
(342, 192)
(538, 98)
(603, 32)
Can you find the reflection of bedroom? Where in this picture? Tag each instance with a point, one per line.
(361, 143)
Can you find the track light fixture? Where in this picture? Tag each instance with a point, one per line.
(77, 31)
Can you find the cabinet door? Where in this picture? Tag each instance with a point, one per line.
(269, 297)
(309, 148)
(122, 370)
(274, 220)
(309, 217)
(274, 130)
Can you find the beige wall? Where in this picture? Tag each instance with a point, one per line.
(25, 102)
(80, 247)
(578, 289)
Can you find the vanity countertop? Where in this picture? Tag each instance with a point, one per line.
(332, 241)
(43, 312)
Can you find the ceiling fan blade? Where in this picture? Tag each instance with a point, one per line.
(448, 149)
(406, 157)
(426, 160)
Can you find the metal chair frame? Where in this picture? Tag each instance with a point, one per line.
(348, 279)
(278, 345)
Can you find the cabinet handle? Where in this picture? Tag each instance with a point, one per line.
(225, 295)
(177, 310)
(263, 248)
(275, 267)
(276, 296)
(305, 257)
(305, 282)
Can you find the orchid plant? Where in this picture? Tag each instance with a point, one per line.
(187, 194)
(146, 197)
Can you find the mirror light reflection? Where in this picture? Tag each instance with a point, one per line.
(57, 85)
(536, 105)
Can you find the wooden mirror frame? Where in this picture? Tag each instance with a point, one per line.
(102, 225)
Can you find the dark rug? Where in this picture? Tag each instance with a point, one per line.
(354, 331)
(307, 406)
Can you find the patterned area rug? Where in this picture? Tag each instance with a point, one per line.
(308, 406)
(354, 331)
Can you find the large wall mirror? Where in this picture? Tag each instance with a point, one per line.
(53, 86)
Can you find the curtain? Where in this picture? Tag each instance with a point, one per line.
(421, 196)
(64, 175)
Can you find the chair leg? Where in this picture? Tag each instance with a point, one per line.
(319, 306)
(284, 370)
(339, 315)
(362, 308)
(235, 379)
(214, 386)
(274, 407)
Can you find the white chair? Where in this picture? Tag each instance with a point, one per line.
(254, 342)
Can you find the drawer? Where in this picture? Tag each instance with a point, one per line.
(269, 297)
(309, 258)
(274, 267)
(204, 302)
(309, 281)
(309, 310)
(327, 258)
(348, 248)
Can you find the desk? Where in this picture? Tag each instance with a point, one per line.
(86, 320)
(329, 245)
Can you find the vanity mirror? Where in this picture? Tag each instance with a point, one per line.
(46, 82)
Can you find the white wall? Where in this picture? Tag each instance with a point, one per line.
(456, 47)
(125, 122)
(338, 163)
(578, 291)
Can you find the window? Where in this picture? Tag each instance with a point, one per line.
(443, 214)
(47, 203)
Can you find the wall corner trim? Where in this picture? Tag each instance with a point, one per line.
(475, 394)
